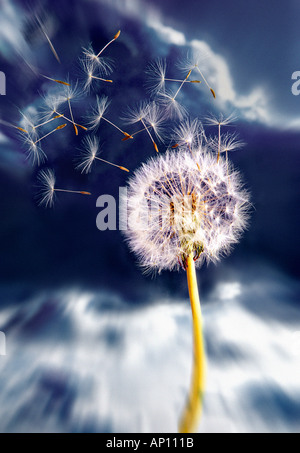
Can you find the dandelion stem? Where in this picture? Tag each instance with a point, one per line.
(149, 133)
(141, 130)
(219, 142)
(183, 82)
(70, 121)
(100, 78)
(205, 81)
(56, 80)
(72, 191)
(48, 121)
(114, 38)
(193, 408)
(51, 46)
(114, 165)
(49, 133)
(114, 125)
(71, 113)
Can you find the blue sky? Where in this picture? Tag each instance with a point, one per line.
(60, 277)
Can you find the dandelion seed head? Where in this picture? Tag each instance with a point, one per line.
(180, 204)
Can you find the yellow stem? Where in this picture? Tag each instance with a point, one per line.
(192, 412)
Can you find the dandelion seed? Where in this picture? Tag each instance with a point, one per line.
(221, 121)
(104, 64)
(227, 143)
(189, 133)
(89, 74)
(71, 93)
(43, 29)
(47, 191)
(56, 80)
(156, 77)
(97, 115)
(156, 73)
(7, 124)
(53, 103)
(155, 118)
(27, 123)
(114, 39)
(195, 61)
(90, 153)
(145, 113)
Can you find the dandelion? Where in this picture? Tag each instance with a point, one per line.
(97, 115)
(90, 153)
(182, 212)
(91, 57)
(47, 191)
(194, 61)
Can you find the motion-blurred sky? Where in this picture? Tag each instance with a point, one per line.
(79, 316)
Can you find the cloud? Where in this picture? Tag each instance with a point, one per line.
(86, 362)
(254, 104)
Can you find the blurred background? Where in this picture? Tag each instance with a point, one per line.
(92, 344)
